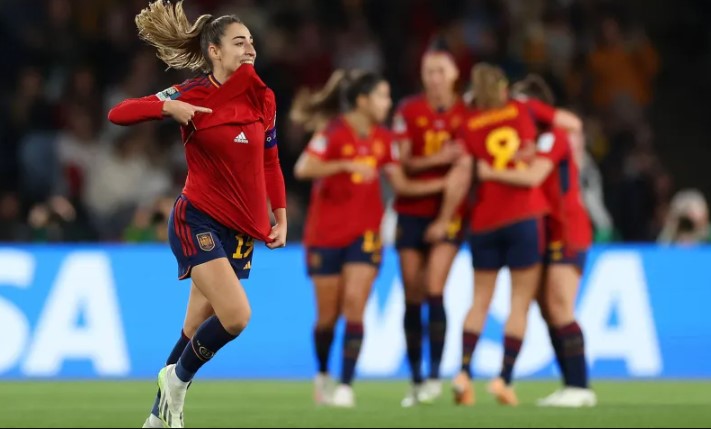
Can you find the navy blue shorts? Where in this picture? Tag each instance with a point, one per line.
(325, 261)
(196, 238)
(515, 246)
(558, 253)
(410, 233)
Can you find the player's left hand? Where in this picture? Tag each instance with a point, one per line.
(436, 232)
(278, 235)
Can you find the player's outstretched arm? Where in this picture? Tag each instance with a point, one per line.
(310, 166)
(415, 164)
(529, 177)
(136, 110)
(411, 188)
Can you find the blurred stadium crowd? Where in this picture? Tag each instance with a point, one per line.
(67, 174)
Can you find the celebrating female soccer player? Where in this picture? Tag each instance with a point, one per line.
(424, 125)
(505, 222)
(227, 122)
(342, 230)
(568, 236)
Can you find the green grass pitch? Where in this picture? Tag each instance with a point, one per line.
(288, 404)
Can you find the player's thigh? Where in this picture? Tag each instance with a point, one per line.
(358, 281)
(329, 291)
(412, 270)
(199, 310)
(525, 283)
(218, 282)
(484, 287)
(439, 264)
(560, 293)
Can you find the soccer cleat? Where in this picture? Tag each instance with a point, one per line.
(172, 397)
(343, 397)
(431, 392)
(548, 400)
(463, 390)
(412, 397)
(424, 393)
(503, 393)
(323, 389)
(152, 422)
(570, 397)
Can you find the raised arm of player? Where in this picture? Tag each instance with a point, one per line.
(550, 115)
(155, 107)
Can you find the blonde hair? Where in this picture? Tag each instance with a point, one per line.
(488, 83)
(180, 44)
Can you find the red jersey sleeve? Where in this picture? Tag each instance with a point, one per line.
(540, 111)
(553, 145)
(276, 190)
(318, 146)
(136, 110)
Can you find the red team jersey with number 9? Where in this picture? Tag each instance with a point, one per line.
(500, 137)
(427, 130)
(344, 206)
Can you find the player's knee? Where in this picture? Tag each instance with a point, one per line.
(414, 295)
(238, 320)
(353, 310)
(327, 320)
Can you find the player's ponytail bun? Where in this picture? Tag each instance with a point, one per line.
(488, 85)
(180, 44)
(313, 109)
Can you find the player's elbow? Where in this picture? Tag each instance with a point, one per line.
(116, 117)
(301, 172)
(568, 120)
(113, 117)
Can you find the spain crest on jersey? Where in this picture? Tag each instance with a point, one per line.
(205, 241)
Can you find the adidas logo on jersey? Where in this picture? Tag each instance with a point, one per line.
(248, 266)
(241, 138)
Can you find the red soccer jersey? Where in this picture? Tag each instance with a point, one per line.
(568, 221)
(232, 158)
(344, 207)
(496, 136)
(427, 130)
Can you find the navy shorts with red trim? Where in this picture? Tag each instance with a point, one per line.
(559, 253)
(410, 233)
(517, 246)
(196, 238)
(325, 261)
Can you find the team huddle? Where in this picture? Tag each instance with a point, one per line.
(500, 167)
(497, 167)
